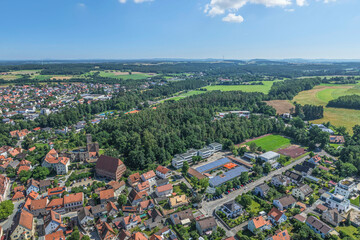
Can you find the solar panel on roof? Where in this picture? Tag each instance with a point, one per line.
(213, 165)
(227, 176)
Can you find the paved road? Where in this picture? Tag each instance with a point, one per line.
(209, 207)
(7, 223)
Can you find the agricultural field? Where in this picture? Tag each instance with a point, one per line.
(184, 95)
(321, 95)
(271, 142)
(125, 75)
(245, 88)
(281, 106)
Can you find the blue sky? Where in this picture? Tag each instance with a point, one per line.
(233, 29)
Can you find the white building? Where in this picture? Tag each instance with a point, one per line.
(270, 157)
(216, 146)
(345, 188)
(206, 152)
(338, 201)
(179, 160)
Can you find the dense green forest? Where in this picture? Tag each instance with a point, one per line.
(309, 112)
(350, 101)
(288, 89)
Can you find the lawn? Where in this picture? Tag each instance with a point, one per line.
(246, 88)
(355, 201)
(187, 94)
(254, 207)
(350, 230)
(321, 95)
(271, 142)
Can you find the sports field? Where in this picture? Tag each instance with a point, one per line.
(321, 95)
(271, 142)
(246, 88)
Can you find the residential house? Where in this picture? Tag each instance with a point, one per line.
(107, 195)
(149, 176)
(164, 191)
(194, 173)
(59, 164)
(318, 226)
(206, 226)
(130, 221)
(163, 172)
(261, 190)
(136, 197)
(293, 176)
(155, 219)
(284, 202)
(280, 235)
(32, 185)
(183, 217)
(99, 210)
(333, 217)
(178, 201)
(38, 207)
(302, 192)
(56, 192)
(315, 160)
(110, 168)
(279, 180)
(105, 231)
(146, 205)
(162, 182)
(270, 157)
(134, 179)
(138, 236)
(53, 223)
(55, 236)
(57, 205)
(232, 209)
(118, 187)
(112, 210)
(304, 170)
(73, 202)
(143, 186)
(276, 216)
(337, 201)
(85, 217)
(345, 187)
(259, 223)
(24, 227)
(337, 139)
(45, 184)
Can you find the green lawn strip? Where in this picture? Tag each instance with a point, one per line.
(355, 201)
(350, 230)
(271, 142)
(245, 88)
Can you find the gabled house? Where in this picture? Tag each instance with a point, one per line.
(53, 223)
(130, 221)
(315, 159)
(183, 217)
(149, 176)
(279, 180)
(32, 185)
(144, 186)
(293, 176)
(85, 217)
(107, 195)
(38, 207)
(136, 197)
(146, 205)
(118, 187)
(99, 210)
(24, 227)
(59, 164)
(232, 209)
(280, 235)
(155, 219)
(318, 226)
(73, 202)
(112, 210)
(105, 231)
(110, 168)
(285, 202)
(302, 192)
(164, 191)
(163, 172)
(259, 223)
(206, 226)
(134, 179)
(261, 190)
(276, 216)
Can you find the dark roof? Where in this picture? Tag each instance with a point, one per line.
(206, 223)
(318, 224)
(286, 200)
(306, 189)
(195, 173)
(232, 205)
(309, 164)
(293, 175)
(99, 208)
(301, 168)
(108, 164)
(83, 212)
(186, 214)
(161, 182)
(264, 187)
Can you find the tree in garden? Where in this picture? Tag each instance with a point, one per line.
(185, 167)
(6, 209)
(122, 199)
(267, 167)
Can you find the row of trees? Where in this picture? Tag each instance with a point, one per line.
(350, 102)
(309, 112)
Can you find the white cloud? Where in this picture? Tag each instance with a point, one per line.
(289, 10)
(232, 17)
(301, 3)
(82, 5)
(328, 1)
(122, 1)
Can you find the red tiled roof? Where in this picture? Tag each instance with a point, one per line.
(26, 220)
(162, 169)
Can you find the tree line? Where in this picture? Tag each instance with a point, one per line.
(349, 101)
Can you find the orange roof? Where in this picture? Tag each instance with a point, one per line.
(26, 220)
(38, 204)
(284, 235)
(55, 191)
(19, 188)
(162, 169)
(63, 160)
(132, 218)
(259, 222)
(23, 168)
(131, 112)
(149, 174)
(107, 194)
(32, 149)
(33, 195)
(56, 203)
(59, 235)
(230, 165)
(18, 195)
(138, 236)
(164, 188)
(142, 186)
(56, 217)
(75, 197)
(37, 129)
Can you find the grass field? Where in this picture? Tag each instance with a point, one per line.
(246, 88)
(321, 95)
(281, 106)
(187, 94)
(350, 230)
(134, 76)
(355, 201)
(271, 142)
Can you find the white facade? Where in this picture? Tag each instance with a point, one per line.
(206, 152)
(339, 202)
(345, 188)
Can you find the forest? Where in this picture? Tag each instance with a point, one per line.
(349, 101)
(288, 89)
(309, 112)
